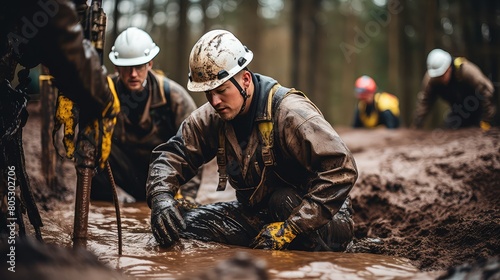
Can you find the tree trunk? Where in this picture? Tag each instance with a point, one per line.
(48, 101)
(395, 56)
(182, 56)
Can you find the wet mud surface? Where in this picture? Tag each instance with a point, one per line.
(431, 197)
(142, 258)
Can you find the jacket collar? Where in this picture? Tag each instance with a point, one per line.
(263, 85)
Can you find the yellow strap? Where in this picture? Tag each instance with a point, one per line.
(457, 62)
(386, 101)
(115, 105)
(266, 129)
(367, 120)
(266, 132)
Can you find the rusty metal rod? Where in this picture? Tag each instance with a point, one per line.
(82, 202)
(84, 172)
(117, 207)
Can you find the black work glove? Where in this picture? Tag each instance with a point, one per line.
(166, 219)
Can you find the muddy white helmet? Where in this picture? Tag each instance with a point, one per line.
(215, 58)
(438, 62)
(133, 47)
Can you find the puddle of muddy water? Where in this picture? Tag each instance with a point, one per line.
(143, 258)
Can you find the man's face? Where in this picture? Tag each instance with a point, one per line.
(133, 77)
(226, 99)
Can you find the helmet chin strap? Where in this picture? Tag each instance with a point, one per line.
(242, 92)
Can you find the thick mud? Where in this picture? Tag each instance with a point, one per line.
(429, 196)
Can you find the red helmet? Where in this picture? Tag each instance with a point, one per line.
(364, 85)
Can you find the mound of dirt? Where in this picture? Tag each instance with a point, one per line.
(430, 196)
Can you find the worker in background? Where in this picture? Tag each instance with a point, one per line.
(460, 83)
(373, 108)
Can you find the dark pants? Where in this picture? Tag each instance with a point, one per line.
(235, 224)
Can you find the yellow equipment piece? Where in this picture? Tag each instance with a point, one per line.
(102, 129)
(99, 132)
(67, 115)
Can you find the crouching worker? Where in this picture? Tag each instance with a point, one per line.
(291, 171)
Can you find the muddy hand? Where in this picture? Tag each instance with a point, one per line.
(275, 236)
(166, 219)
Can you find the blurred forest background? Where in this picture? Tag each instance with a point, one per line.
(322, 46)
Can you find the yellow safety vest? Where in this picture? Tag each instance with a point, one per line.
(383, 101)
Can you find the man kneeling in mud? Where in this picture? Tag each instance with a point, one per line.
(291, 171)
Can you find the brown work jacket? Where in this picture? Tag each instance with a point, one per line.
(309, 156)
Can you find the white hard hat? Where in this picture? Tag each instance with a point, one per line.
(215, 58)
(438, 62)
(133, 47)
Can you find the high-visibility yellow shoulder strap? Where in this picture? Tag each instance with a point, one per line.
(386, 101)
(115, 105)
(458, 61)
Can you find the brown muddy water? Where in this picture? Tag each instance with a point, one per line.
(142, 258)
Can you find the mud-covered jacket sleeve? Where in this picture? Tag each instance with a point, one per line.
(175, 162)
(483, 88)
(425, 99)
(309, 139)
(73, 61)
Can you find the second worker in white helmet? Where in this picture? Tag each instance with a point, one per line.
(462, 85)
(152, 109)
